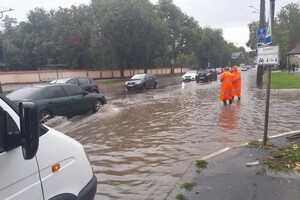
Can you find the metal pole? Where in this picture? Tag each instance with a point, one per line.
(262, 24)
(272, 7)
(267, 106)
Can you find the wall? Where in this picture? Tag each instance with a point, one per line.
(37, 76)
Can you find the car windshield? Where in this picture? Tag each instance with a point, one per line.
(23, 93)
(138, 76)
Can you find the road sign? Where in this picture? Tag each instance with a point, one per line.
(268, 55)
(259, 44)
(261, 33)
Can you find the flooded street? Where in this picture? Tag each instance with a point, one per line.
(141, 143)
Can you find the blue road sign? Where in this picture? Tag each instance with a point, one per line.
(261, 33)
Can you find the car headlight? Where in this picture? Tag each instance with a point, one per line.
(138, 82)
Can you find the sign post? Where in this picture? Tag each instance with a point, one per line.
(268, 56)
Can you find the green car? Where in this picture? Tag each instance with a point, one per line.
(58, 99)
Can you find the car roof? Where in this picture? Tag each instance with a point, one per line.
(191, 71)
(61, 80)
(43, 85)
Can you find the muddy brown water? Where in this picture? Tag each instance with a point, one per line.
(141, 143)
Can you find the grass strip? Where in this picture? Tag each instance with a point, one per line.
(282, 80)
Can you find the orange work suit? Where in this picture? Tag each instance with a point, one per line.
(237, 83)
(226, 85)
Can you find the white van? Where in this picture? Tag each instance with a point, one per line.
(37, 162)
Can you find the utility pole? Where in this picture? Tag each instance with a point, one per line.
(265, 138)
(262, 25)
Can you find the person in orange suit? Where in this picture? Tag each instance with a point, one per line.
(237, 83)
(226, 86)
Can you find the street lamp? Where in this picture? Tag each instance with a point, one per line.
(3, 11)
(257, 10)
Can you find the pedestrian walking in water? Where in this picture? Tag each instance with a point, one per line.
(236, 83)
(226, 86)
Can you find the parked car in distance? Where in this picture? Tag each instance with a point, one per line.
(206, 75)
(189, 75)
(141, 82)
(244, 68)
(58, 99)
(85, 83)
(219, 70)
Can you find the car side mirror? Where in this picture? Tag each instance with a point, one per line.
(30, 129)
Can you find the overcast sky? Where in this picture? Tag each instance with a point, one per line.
(233, 16)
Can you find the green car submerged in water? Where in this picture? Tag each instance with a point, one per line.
(58, 99)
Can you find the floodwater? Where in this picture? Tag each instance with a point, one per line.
(141, 143)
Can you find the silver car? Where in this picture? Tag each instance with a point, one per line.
(190, 75)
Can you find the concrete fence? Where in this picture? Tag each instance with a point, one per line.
(36, 76)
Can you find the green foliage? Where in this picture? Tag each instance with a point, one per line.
(286, 158)
(201, 164)
(188, 186)
(180, 197)
(114, 34)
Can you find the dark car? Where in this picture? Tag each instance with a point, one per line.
(207, 75)
(141, 82)
(85, 83)
(59, 99)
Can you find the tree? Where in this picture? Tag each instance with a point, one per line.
(183, 31)
(130, 31)
(253, 26)
(286, 29)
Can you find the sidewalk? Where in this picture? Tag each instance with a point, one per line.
(228, 178)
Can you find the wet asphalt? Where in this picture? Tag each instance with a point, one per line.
(227, 177)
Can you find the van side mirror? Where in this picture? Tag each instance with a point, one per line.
(30, 130)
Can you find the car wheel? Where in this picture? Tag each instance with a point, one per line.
(155, 85)
(45, 116)
(95, 91)
(143, 87)
(97, 105)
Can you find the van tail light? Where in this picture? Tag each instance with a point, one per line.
(55, 168)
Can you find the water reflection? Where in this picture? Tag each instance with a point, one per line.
(229, 117)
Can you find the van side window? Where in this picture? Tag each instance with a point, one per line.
(13, 136)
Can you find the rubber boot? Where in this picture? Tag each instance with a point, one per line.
(224, 102)
(239, 98)
(230, 101)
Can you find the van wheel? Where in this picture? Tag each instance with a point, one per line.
(97, 105)
(45, 116)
